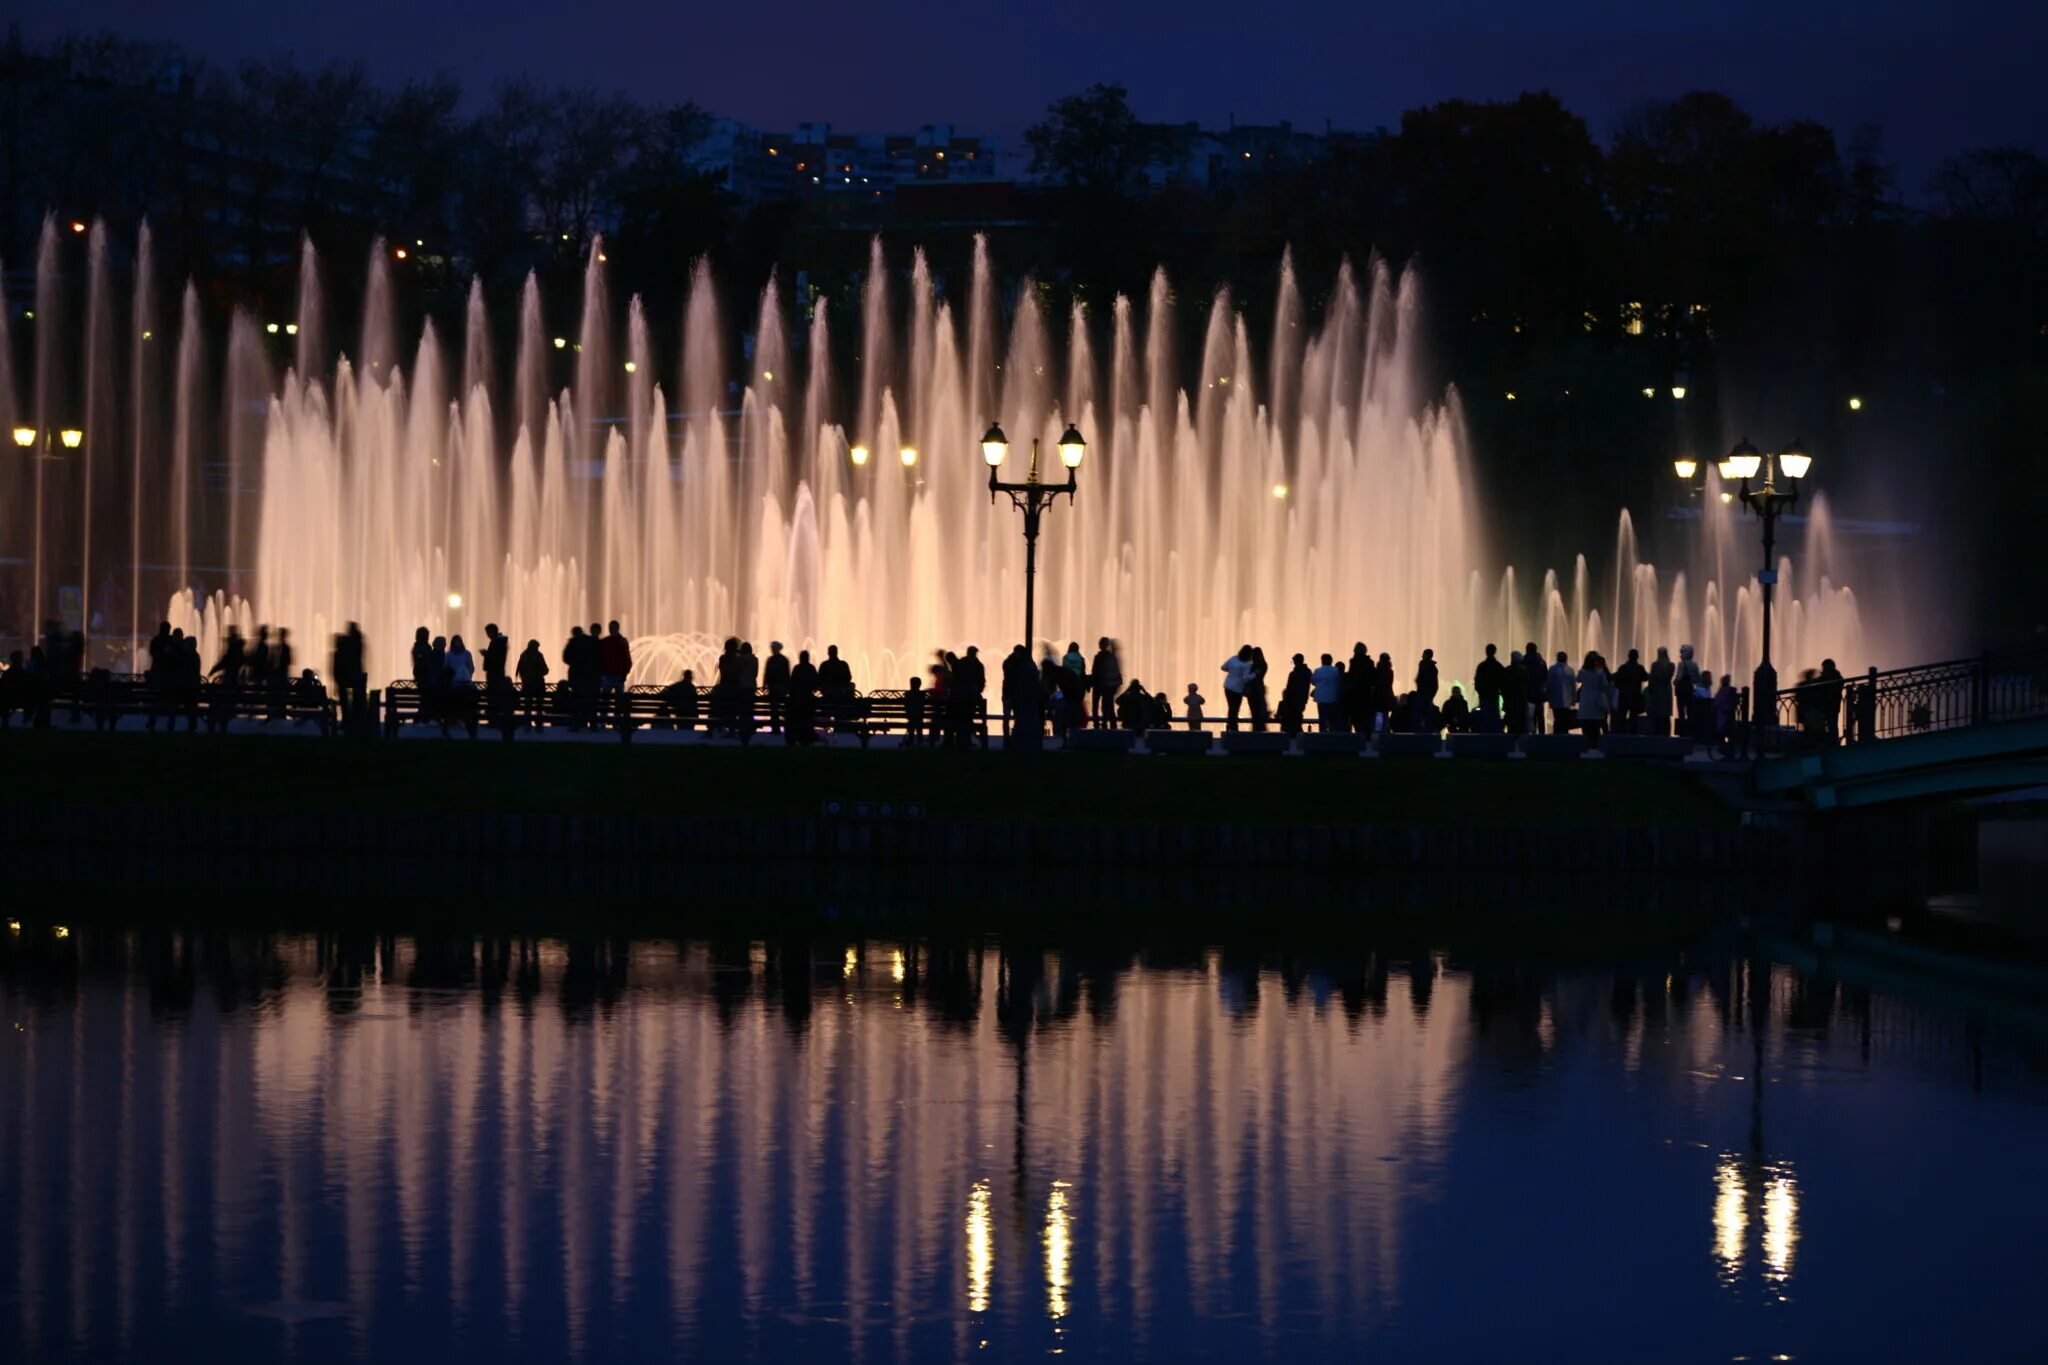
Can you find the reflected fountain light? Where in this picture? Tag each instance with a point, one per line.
(1731, 1217)
(1781, 1223)
(852, 962)
(981, 1247)
(896, 964)
(1059, 1251)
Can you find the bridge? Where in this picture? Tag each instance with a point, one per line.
(1965, 727)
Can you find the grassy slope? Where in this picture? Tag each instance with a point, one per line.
(769, 779)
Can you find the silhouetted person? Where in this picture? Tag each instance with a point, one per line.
(1357, 688)
(1595, 697)
(680, 703)
(1134, 707)
(1561, 692)
(1457, 713)
(1488, 679)
(1327, 686)
(1383, 688)
(970, 686)
(1425, 690)
(1105, 678)
(1255, 689)
(1075, 690)
(615, 658)
(1725, 702)
(1686, 685)
(580, 672)
(1237, 676)
(1514, 695)
(423, 658)
(914, 698)
(1021, 710)
(461, 663)
(835, 685)
(259, 657)
(803, 701)
(1052, 697)
(1829, 701)
(497, 646)
(1630, 680)
(1658, 701)
(1294, 695)
(533, 681)
(351, 674)
(1539, 684)
(14, 685)
(99, 699)
(775, 680)
(309, 699)
(278, 682)
(1191, 707)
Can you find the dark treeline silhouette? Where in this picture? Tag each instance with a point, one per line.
(1774, 268)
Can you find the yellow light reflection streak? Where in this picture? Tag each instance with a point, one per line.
(896, 964)
(981, 1248)
(1731, 1216)
(1059, 1250)
(1781, 1224)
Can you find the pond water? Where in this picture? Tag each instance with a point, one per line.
(328, 1147)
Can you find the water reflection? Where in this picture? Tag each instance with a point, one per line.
(364, 1147)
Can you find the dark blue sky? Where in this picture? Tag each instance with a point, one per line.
(1939, 77)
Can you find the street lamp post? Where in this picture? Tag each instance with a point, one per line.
(1031, 497)
(71, 438)
(1768, 501)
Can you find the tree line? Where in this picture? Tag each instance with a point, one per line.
(1768, 268)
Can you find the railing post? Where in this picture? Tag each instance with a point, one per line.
(1980, 691)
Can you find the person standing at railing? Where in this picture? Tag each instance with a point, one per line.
(496, 647)
(1663, 692)
(533, 680)
(616, 661)
(775, 678)
(1829, 700)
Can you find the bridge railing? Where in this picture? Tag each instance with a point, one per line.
(1920, 699)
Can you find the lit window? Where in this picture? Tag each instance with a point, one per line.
(1632, 319)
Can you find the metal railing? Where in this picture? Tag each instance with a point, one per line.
(1921, 699)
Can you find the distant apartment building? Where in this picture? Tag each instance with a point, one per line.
(1189, 155)
(812, 161)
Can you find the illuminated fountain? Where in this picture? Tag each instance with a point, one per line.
(1301, 500)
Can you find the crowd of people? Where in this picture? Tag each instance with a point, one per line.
(802, 701)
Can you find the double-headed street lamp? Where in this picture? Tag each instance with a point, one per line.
(70, 438)
(1031, 497)
(1769, 500)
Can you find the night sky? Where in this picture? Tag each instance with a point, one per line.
(1937, 78)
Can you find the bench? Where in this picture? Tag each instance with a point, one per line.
(1553, 746)
(1333, 743)
(1177, 741)
(108, 698)
(1481, 746)
(1648, 748)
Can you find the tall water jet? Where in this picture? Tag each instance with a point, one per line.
(143, 420)
(49, 385)
(102, 420)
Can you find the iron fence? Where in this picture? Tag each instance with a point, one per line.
(1920, 699)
